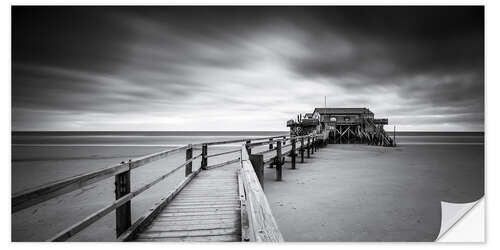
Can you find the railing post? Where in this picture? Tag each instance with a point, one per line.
(302, 150)
(123, 212)
(312, 145)
(284, 140)
(278, 161)
(204, 154)
(189, 155)
(308, 147)
(258, 167)
(271, 147)
(293, 153)
(249, 150)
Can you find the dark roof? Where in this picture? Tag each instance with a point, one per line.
(330, 111)
(308, 114)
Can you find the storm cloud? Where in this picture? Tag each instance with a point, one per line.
(244, 68)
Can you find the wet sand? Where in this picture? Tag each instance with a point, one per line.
(366, 193)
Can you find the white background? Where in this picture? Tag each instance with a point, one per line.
(492, 127)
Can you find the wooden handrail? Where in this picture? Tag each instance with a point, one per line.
(223, 163)
(262, 226)
(33, 196)
(36, 195)
(77, 227)
(237, 140)
(223, 153)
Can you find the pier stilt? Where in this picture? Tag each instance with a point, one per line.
(312, 146)
(278, 162)
(270, 148)
(302, 150)
(308, 147)
(293, 153)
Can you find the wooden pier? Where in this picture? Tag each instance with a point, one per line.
(219, 202)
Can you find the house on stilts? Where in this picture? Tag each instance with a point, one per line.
(343, 126)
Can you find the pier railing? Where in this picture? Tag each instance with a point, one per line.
(251, 171)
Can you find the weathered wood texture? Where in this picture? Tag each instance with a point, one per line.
(124, 212)
(79, 226)
(262, 225)
(207, 209)
(33, 196)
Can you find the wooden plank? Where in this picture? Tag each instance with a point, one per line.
(190, 227)
(206, 202)
(195, 221)
(232, 212)
(188, 233)
(262, 225)
(226, 216)
(216, 238)
(145, 219)
(202, 209)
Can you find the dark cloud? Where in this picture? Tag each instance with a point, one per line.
(420, 65)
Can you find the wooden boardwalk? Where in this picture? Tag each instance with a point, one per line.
(207, 209)
(218, 202)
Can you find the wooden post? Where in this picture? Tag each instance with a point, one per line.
(312, 145)
(204, 154)
(394, 137)
(308, 147)
(293, 152)
(189, 155)
(302, 150)
(258, 167)
(271, 147)
(123, 212)
(249, 150)
(278, 161)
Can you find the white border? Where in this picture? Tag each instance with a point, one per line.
(492, 132)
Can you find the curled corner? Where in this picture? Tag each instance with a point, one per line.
(451, 213)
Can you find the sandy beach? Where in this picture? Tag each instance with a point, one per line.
(342, 193)
(366, 193)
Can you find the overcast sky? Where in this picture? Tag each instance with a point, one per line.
(244, 68)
